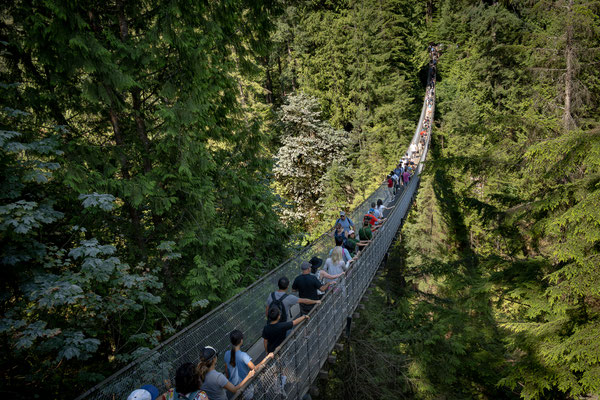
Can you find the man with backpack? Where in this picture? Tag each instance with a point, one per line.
(346, 223)
(284, 301)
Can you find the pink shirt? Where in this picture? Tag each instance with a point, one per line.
(406, 176)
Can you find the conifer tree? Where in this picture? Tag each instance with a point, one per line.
(310, 146)
(162, 189)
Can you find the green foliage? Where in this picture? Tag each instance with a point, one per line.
(309, 148)
(134, 165)
(501, 250)
(355, 58)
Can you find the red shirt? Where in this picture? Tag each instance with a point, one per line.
(372, 220)
(422, 133)
(390, 182)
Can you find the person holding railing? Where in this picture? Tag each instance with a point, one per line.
(274, 332)
(308, 285)
(365, 233)
(380, 207)
(355, 245)
(372, 220)
(335, 264)
(215, 383)
(284, 301)
(237, 362)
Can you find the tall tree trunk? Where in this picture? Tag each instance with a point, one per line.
(429, 11)
(281, 83)
(293, 63)
(134, 213)
(568, 122)
(269, 82)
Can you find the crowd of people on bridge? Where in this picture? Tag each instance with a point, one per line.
(202, 381)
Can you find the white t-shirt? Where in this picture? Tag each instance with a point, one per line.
(333, 269)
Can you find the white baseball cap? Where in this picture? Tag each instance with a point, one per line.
(146, 392)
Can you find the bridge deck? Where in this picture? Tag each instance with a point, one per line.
(303, 353)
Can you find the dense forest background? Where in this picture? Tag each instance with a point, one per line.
(157, 157)
(494, 290)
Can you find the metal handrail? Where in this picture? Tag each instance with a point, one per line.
(246, 310)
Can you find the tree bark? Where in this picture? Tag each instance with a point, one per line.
(269, 82)
(280, 76)
(429, 12)
(568, 121)
(133, 213)
(293, 63)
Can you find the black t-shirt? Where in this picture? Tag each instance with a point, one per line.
(307, 286)
(275, 334)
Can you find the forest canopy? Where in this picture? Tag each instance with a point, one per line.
(158, 157)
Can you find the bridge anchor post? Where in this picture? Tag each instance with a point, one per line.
(348, 325)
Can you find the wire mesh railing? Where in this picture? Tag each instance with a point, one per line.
(299, 358)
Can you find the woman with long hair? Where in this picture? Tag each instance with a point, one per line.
(238, 363)
(335, 264)
(187, 385)
(215, 383)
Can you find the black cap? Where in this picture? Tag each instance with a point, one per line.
(208, 353)
(316, 262)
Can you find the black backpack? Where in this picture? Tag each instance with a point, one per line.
(279, 304)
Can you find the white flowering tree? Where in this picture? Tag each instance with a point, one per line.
(309, 147)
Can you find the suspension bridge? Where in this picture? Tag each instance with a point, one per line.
(301, 356)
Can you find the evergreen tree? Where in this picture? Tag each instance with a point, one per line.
(310, 146)
(162, 189)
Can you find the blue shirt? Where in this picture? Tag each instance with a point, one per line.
(241, 368)
(346, 223)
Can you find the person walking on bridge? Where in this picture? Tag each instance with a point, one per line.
(365, 233)
(284, 301)
(335, 264)
(339, 233)
(390, 185)
(380, 207)
(237, 362)
(406, 177)
(346, 223)
(215, 383)
(355, 245)
(413, 150)
(187, 385)
(307, 286)
(274, 332)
